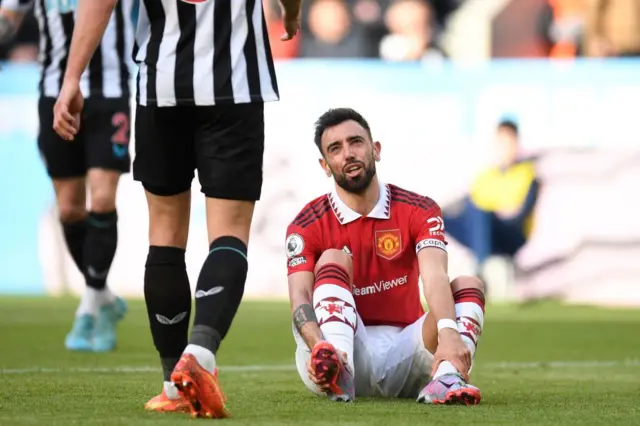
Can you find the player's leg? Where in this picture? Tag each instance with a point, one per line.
(229, 154)
(164, 164)
(65, 166)
(448, 385)
(334, 307)
(106, 131)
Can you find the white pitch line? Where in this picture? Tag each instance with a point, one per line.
(273, 368)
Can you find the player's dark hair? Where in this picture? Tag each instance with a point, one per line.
(334, 117)
(509, 125)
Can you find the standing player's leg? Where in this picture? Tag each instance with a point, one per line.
(448, 385)
(106, 132)
(229, 154)
(165, 165)
(65, 164)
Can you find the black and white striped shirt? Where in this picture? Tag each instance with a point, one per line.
(203, 52)
(109, 71)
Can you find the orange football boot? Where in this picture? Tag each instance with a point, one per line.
(199, 388)
(163, 404)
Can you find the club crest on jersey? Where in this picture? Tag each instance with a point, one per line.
(388, 243)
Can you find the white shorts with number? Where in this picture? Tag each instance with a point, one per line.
(388, 361)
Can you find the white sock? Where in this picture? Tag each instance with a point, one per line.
(170, 390)
(107, 297)
(445, 367)
(89, 302)
(335, 309)
(470, 320)
(204, 356)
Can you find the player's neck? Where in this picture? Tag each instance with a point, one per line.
(363, 203)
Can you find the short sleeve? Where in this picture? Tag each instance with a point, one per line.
(301, 249)
(427, 227)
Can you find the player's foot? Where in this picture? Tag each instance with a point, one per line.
(199, 388)
(329, 366)
(450, 389)
(79, 338)
(104, 334)
(163, 404)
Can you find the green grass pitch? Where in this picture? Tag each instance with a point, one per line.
(536, 365)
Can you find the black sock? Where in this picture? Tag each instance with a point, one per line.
(219, 292)
(75, 234)
(168, 297)
(100, 247)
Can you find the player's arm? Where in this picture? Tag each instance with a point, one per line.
(92, 18)
(301, 298)
(431, 249)
(11, 15)
(302, 254)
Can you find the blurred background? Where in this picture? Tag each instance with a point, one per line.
(520, 117)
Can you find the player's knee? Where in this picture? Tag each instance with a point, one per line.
(169, 219)
(229, 218)
(339, 257)
(71, 212)
(71, 199)
(466, 281)
(103, 185)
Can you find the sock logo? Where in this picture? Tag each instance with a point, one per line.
(210, 292)
(472, 328)
(97, 275)
(334, 309)
(175, 320)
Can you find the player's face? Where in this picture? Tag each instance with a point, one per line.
(350, 156)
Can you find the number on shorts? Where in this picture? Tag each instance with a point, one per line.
(120, 121)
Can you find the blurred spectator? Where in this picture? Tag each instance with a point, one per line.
(332, 33)
(24, 46)
(497, 215)
(561, 26)
(411, 32)
(613, 28)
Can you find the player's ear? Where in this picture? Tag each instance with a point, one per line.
(325, 166)
(377, 147)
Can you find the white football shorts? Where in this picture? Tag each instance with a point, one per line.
(388, 361)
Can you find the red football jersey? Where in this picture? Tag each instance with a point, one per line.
(383, 245)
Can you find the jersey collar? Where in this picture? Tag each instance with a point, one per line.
(382, 209)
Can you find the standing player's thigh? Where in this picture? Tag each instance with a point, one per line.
(407, 366)
(230, 147)
(107, 132)
(62, 159)
(165, 158)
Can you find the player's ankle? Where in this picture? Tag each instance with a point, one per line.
(204, 356)
(445, 367)
(170, 390)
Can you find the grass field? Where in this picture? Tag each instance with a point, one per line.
(541, 364)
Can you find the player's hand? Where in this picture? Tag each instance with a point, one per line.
(291, 18)
(320, 382)
(66, 111)
(451, 348)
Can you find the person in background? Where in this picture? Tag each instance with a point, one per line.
(412, 33)
(497, 213)
(613, 28)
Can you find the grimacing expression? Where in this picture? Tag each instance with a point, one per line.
(350, 156)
